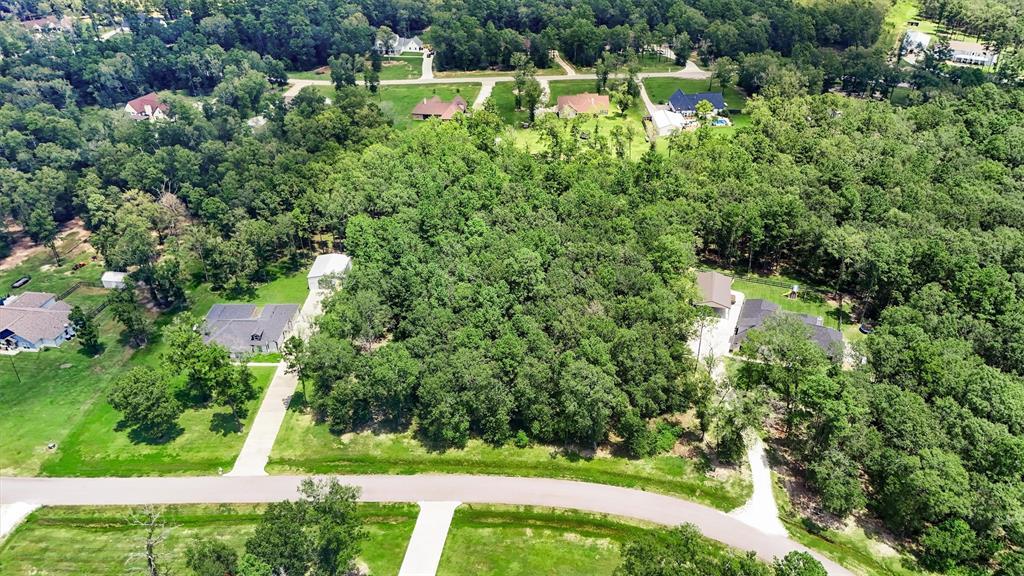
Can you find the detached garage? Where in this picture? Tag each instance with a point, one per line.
(327, 265)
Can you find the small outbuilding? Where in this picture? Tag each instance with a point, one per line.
(114, 280)
(326, 265)
(715, 290)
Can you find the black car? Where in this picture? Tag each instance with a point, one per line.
(20, 282)
(866, 328)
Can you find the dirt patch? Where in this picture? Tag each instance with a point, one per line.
(22, 249)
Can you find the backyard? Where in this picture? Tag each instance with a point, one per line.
(306, 447)
(397, 102)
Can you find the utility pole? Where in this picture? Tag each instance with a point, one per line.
(15, 368)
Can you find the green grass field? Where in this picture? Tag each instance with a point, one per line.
(483, 540)
(208, 444)
(303, 446)
(95, 541)
(397, 102)
(48, 277)
(394, 68)
(648, 63)
(516, 541)
(553, 70)
(659, 90)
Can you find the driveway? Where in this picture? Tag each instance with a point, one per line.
(599, 498)
(714, 339)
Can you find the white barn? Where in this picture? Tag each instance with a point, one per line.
(326, 265)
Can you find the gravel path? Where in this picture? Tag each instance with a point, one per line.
(626, 502)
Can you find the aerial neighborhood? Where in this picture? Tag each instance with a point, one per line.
(688, 288)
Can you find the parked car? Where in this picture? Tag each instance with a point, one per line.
(20, 282)
(866, 328)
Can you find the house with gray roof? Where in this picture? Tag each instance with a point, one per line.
(755, 313)
(34, 320)
(249, 329)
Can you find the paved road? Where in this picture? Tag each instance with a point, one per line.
(691, 71)
(599, 498)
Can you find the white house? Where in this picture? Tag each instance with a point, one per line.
(327, 265)
(34, 320)
(396, 45)
(148, 107)
(113, 280)
(971, 53)
(915, 41)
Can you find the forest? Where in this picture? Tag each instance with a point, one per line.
(504, 295)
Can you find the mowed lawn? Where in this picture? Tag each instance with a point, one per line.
(660, 89)
(45, 395)
(97, 541)
(518, 541)
(209, 442)
(397, 102)
(48, 277)
(305, 447)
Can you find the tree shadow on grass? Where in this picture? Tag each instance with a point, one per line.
(149, 435)
(225, 423)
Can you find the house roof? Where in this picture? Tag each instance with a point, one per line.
(147, 105)
(31, 299)
(34, 316)
(715, 289)
(959, 47)
(329, 264)
(755, 313)
(434, 106)
(585, 103)
(235, 325)
(916, 38)
(688, 102)
(50, 21)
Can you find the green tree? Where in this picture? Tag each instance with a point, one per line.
(42, 229)
(798, 564)
(211, 557)
(126, 310)
(532, 93)
(145, 401)
(85, 331)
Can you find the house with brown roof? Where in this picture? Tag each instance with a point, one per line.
(434, 107)
(47, 24)
(586, 103)
(148, 107)
(34, 320)
(715, 291)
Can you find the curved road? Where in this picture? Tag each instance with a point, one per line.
(637, 504)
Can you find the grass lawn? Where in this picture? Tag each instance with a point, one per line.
(45, 395)
(303, 446)
(569, 87)
(95, 541)
(284, 287)
(209, 441)
(553, 70)
(648, 63)
(659, 90)
(401, 67)
(516, 541)
(503, 98)
(397, 102)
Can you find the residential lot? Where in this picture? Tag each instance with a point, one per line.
(303, 446)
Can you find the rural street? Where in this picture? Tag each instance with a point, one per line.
(599, 498)
(690, 71)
